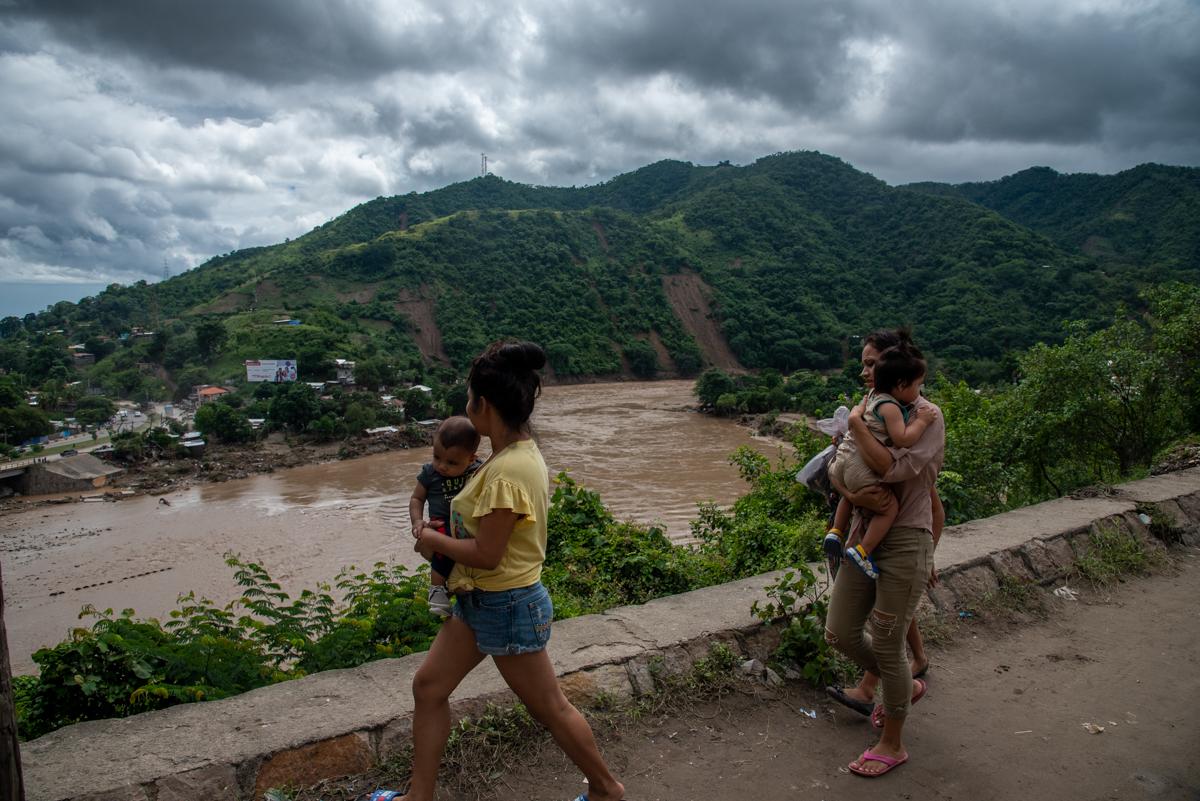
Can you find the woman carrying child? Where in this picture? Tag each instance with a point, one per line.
(895, 386)
(905, 562)
(498, 542)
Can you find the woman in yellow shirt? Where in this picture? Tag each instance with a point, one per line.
(498, 523)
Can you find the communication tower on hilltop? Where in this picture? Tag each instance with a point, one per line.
(483, 164)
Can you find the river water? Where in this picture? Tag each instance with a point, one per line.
(636, 444)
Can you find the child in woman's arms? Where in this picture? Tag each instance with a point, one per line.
(898, 379)
(454, 447)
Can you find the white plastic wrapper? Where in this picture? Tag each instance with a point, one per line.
(836, 425)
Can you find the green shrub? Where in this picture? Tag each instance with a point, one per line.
(803, 609)
(1112, 553)
(776, 524)
(121, 665)
(594, 563)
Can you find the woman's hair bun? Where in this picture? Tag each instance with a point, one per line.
(506, 375)
(522, 355)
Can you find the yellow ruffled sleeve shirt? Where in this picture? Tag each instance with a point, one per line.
(516, 479)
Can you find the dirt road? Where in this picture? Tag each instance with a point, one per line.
(1004, 719)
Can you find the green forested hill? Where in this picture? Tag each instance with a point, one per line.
(781, 263)
(1146, 218)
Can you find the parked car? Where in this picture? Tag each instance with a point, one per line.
(69, 452)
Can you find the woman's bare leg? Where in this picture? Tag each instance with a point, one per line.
(890, 744)
(865, 689)
(453, 655)
(531, 677)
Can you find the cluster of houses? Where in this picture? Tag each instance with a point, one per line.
(79, 351)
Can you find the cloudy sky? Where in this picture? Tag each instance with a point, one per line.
(142, 133)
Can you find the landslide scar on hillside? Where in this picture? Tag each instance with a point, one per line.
(691, 299)
(418, 308)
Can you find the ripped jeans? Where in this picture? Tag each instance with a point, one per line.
(868, 619)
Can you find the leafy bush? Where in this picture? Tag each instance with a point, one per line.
(796, 600)
(594, 563)
(122, 665)
(776, 524)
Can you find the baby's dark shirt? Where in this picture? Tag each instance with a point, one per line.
(440, 490)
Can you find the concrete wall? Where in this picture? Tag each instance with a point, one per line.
(80, 473)
(340, 722)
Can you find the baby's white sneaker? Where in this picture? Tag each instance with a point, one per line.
(439, 600)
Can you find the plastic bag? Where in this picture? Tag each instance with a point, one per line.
(815, 474)
(837, 425)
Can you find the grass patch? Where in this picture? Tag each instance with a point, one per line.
(937, 629)
(1015, 597)
(1162, 526)
(1113, 553)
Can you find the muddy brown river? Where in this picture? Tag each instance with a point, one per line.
(636, 444)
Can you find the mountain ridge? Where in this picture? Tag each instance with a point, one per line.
(796, 252)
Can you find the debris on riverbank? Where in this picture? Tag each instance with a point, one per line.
(227, 462)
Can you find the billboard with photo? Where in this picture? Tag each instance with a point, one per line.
(271, 370)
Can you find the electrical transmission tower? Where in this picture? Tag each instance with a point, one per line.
(483, 164)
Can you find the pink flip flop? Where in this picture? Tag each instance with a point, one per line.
(870, 756)
(878, 713)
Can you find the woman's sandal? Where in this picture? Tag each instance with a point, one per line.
(838, 694)
(879, 713)
(870, 756)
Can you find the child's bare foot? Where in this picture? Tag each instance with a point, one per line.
(614, 793)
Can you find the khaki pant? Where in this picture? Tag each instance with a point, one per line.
(868, 619)
(852, 471)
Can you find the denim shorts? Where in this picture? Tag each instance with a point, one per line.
(507, 622)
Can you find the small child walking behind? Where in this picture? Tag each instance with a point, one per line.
(898, 378)
(454, 462)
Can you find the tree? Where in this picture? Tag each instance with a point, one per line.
(417, 404)
(711, 385)
(94, 410)
(10, 326)
(42, 360)
(374, 373)
(1175, 318)
(643, 361)
(455, 397)
(1093, 408)
(324, 428)
(224, 422)
(188, 379)
(21, 423)
(50, 395)
(295, 405)
(10, 392)
(210, 336)
(358, 417)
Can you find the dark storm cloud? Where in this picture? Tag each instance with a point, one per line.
(978, 73)
(792, 51)
(137, 131)
(270, 41)
(943, 71)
